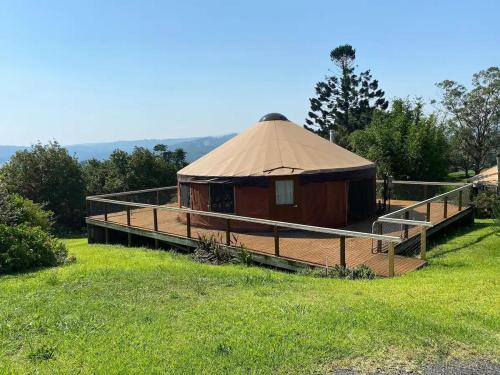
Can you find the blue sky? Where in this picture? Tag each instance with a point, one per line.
(89, 71)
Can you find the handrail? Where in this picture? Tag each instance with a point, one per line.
(421, 203)
(405, 221)
(435, 183)
(132, 192)
(340, 232)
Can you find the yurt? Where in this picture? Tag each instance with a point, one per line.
(280, 171)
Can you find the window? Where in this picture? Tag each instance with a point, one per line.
(284, 192)
(222, 198)
(185, 195)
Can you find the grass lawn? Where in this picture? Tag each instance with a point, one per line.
(459, 176)
(120, 310)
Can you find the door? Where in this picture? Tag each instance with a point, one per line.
(285, 205)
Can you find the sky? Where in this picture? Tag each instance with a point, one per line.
(95, 71)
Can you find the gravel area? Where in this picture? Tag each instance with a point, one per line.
(445, 368)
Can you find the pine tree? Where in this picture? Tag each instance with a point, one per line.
(344, 102)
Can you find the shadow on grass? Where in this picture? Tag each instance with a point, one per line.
(447, 238)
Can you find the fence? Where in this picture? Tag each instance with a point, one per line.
(406, 218)
(157, 210)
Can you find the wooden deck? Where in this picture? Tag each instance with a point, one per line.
(306, 247)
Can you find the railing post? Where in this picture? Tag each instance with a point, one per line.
(342, 251)
(379, 242)
(276, 242)
(188, 224)
(391, 259)
(105, 212)
(155, 219)
(157, 197)
(425, 192)
(460, 200)
(406, 216)
(106, 235)
(228, 232)
(423, 243)
(445, 208)
(128, 216)
(428, 212)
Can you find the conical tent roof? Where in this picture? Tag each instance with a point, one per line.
(275, 148)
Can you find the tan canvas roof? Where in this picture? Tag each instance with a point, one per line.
(273, 148)
(488, 176)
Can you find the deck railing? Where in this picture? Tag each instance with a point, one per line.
(157, 210)
(416, 218)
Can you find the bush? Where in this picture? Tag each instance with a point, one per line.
(341, 272)
(210, 250)
(23, 247)
(487, 204)
(15, 210)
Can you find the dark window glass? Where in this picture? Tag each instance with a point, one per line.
(222, 198)
(185, 195)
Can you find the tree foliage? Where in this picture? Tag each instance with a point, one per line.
(140, 169)
(16, 210)
(23, 247)
(344, 102)
(476, 116)
(404, 143)
(48, 175)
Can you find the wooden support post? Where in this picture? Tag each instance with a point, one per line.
(155, 219)
(228, 232)
(129, 239)
(276, 242)
(445, 208)
(407, 217)
(391, 259)
(105, 212)
(428, 212)
(106, 235)
(188, 224)
(342, 251)
(460, 195)
(379, 242)
(157, 197)
(423, 243)
(425, 192)
(128, 216)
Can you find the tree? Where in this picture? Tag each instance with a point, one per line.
(344, 102)
(404, 143)
(48, 175)
(140, 169)
(476, 114)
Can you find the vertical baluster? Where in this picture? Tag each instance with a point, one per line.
(445, 208)
(391, 259)
(228, 232)
(276, 242)
(423, 243)
(406, 216)
(342, 251)
(188, 224)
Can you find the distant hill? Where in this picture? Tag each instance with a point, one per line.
(195, 147)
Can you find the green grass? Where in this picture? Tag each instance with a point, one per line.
(459, 176)
(120, 310)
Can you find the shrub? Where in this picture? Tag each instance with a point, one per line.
(210, 250)
(15, 210)
(487, 204)
(23, 247)
(340, 272)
